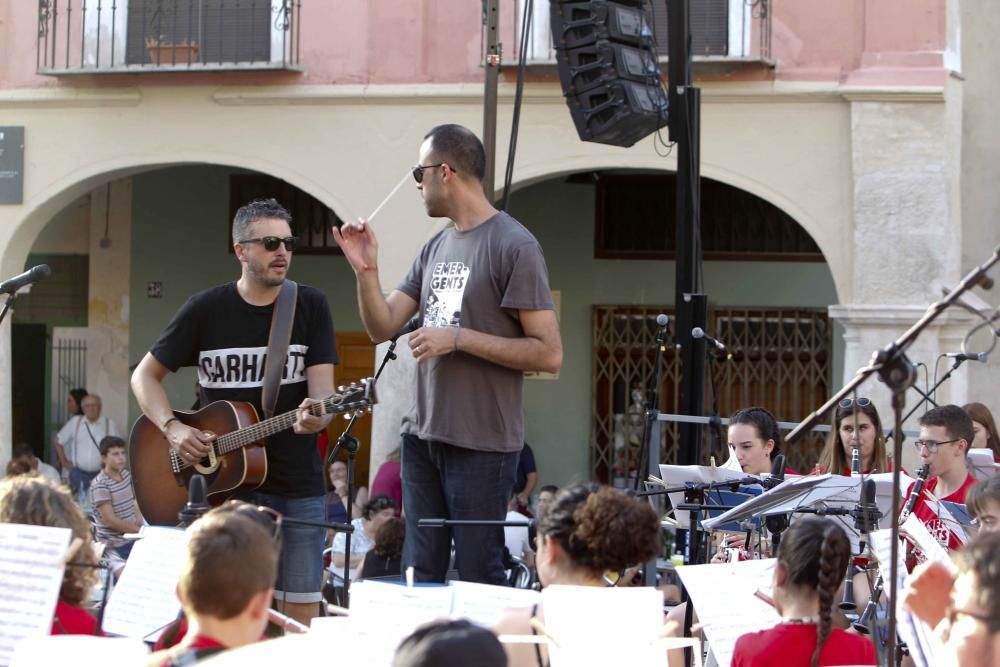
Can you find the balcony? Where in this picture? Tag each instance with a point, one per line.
(139, 36)
(725, 34)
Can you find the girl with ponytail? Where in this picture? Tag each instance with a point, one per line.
(812, 560)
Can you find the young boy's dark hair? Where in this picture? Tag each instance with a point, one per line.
(110, 442)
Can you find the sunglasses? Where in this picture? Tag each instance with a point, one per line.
(861, 402)
(265, 517)
(271, 243)
(418, 171)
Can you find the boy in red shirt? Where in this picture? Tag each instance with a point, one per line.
(945, 434)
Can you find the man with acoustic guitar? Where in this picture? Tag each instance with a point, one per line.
(224, 331)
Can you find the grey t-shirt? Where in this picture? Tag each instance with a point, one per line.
(478, 279)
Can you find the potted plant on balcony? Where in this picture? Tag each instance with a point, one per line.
(165, 52)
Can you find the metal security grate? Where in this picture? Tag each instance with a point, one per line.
(781, 361)
(69, 370)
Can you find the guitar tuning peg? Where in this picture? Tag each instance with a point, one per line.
(371, 410)
(347, 416)
(364, 381)
(341, 389)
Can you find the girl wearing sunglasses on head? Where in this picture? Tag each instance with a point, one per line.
(856, 425)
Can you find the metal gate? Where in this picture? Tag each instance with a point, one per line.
(780, 360)
(69, 370)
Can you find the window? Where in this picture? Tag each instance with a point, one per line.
(635, 219)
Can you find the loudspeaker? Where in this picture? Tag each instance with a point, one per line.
(608, 69)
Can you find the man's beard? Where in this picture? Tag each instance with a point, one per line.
(259, 272)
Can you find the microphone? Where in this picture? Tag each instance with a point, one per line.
(698, 332)
(662, 321)
(32, 275)
(409, 327)
(967, 356)
(777, 475)
(197, 503)
(918, 488)
(866, 513)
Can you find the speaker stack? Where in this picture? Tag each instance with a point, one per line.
(608, 69)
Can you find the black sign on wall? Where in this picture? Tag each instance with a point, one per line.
(11, 164)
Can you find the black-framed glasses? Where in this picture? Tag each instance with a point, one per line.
(860, 401)
(931, 445)
(271, 243)
(418, 171)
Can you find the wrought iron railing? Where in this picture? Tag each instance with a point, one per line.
(109, 36)
(721, 30)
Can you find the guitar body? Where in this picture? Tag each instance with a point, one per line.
(161, 489)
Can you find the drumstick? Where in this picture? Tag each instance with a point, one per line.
(378, 208)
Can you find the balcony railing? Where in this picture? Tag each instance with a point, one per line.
(722, 31)
(129, 36)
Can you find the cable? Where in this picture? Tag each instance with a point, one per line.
(518, 95)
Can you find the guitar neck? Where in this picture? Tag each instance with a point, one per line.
(234, 440)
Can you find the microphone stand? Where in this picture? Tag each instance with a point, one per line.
(7, 305)
(896, 370)
(652, 408)
(348, 441)
(933, 390)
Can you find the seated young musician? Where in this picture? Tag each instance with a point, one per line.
(812, 559)
(963, 607)
(856, 425)
(29, 499)
(754, 440)
(585, 531)
(945, 434)
(983, 504)
(985, 429)
(225, 586)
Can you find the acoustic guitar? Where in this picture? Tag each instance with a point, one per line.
(236, 460)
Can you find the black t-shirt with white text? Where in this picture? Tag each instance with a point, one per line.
(226, 339)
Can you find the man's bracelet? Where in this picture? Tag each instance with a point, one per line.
(167, 423)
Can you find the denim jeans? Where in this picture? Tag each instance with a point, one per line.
(300, 569)
(79, 481)
(451, 482)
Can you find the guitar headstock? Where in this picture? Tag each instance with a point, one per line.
(355, 399)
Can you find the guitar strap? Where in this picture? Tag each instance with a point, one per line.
(282, 320)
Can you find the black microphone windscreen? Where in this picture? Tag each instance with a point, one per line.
(42, 271)
(197, 492)
(868, 492)
(778, 466)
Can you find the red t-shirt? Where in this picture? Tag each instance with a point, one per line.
(792, 645)
(71, 620)
(389, 482)
(923, 511)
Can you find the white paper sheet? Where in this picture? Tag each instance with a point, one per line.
(79, 650)
(145, 599)
(723, 595)
(31, 574)
(486, 605)
(981, 464)
(681, 475)
(604, 626)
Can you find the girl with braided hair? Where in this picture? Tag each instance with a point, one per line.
(812, 561)
(585, 531)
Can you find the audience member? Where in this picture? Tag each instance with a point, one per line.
(389, 481)
(856, 425)
(29, 499)
(78, 444)
(115, 509)
(545, 496)
(754, 440)
(376, 512)
(983, 503)
(527, 478)
(17, 467)
(26, 452)
(945, 434)
(225, 587)
(985, 429)
(812, 560)
(584, 532)
(963, 608)
(457, 643)
(515, 538)
(336, 495)
(385, 558)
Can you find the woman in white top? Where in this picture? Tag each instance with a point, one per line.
(377, 511)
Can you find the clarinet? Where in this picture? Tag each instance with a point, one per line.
(918, 488)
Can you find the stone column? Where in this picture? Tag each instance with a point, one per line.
(108, 306)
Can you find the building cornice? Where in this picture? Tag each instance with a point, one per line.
(69, 97)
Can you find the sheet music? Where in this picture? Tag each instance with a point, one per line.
(485, 605)
(724, 595)
(922, 538)
(790, 494)
(31, 574)
(145, 599)
(71, 649)
(582, 620)
(680, 475)
(981, 464)
(383, 614)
